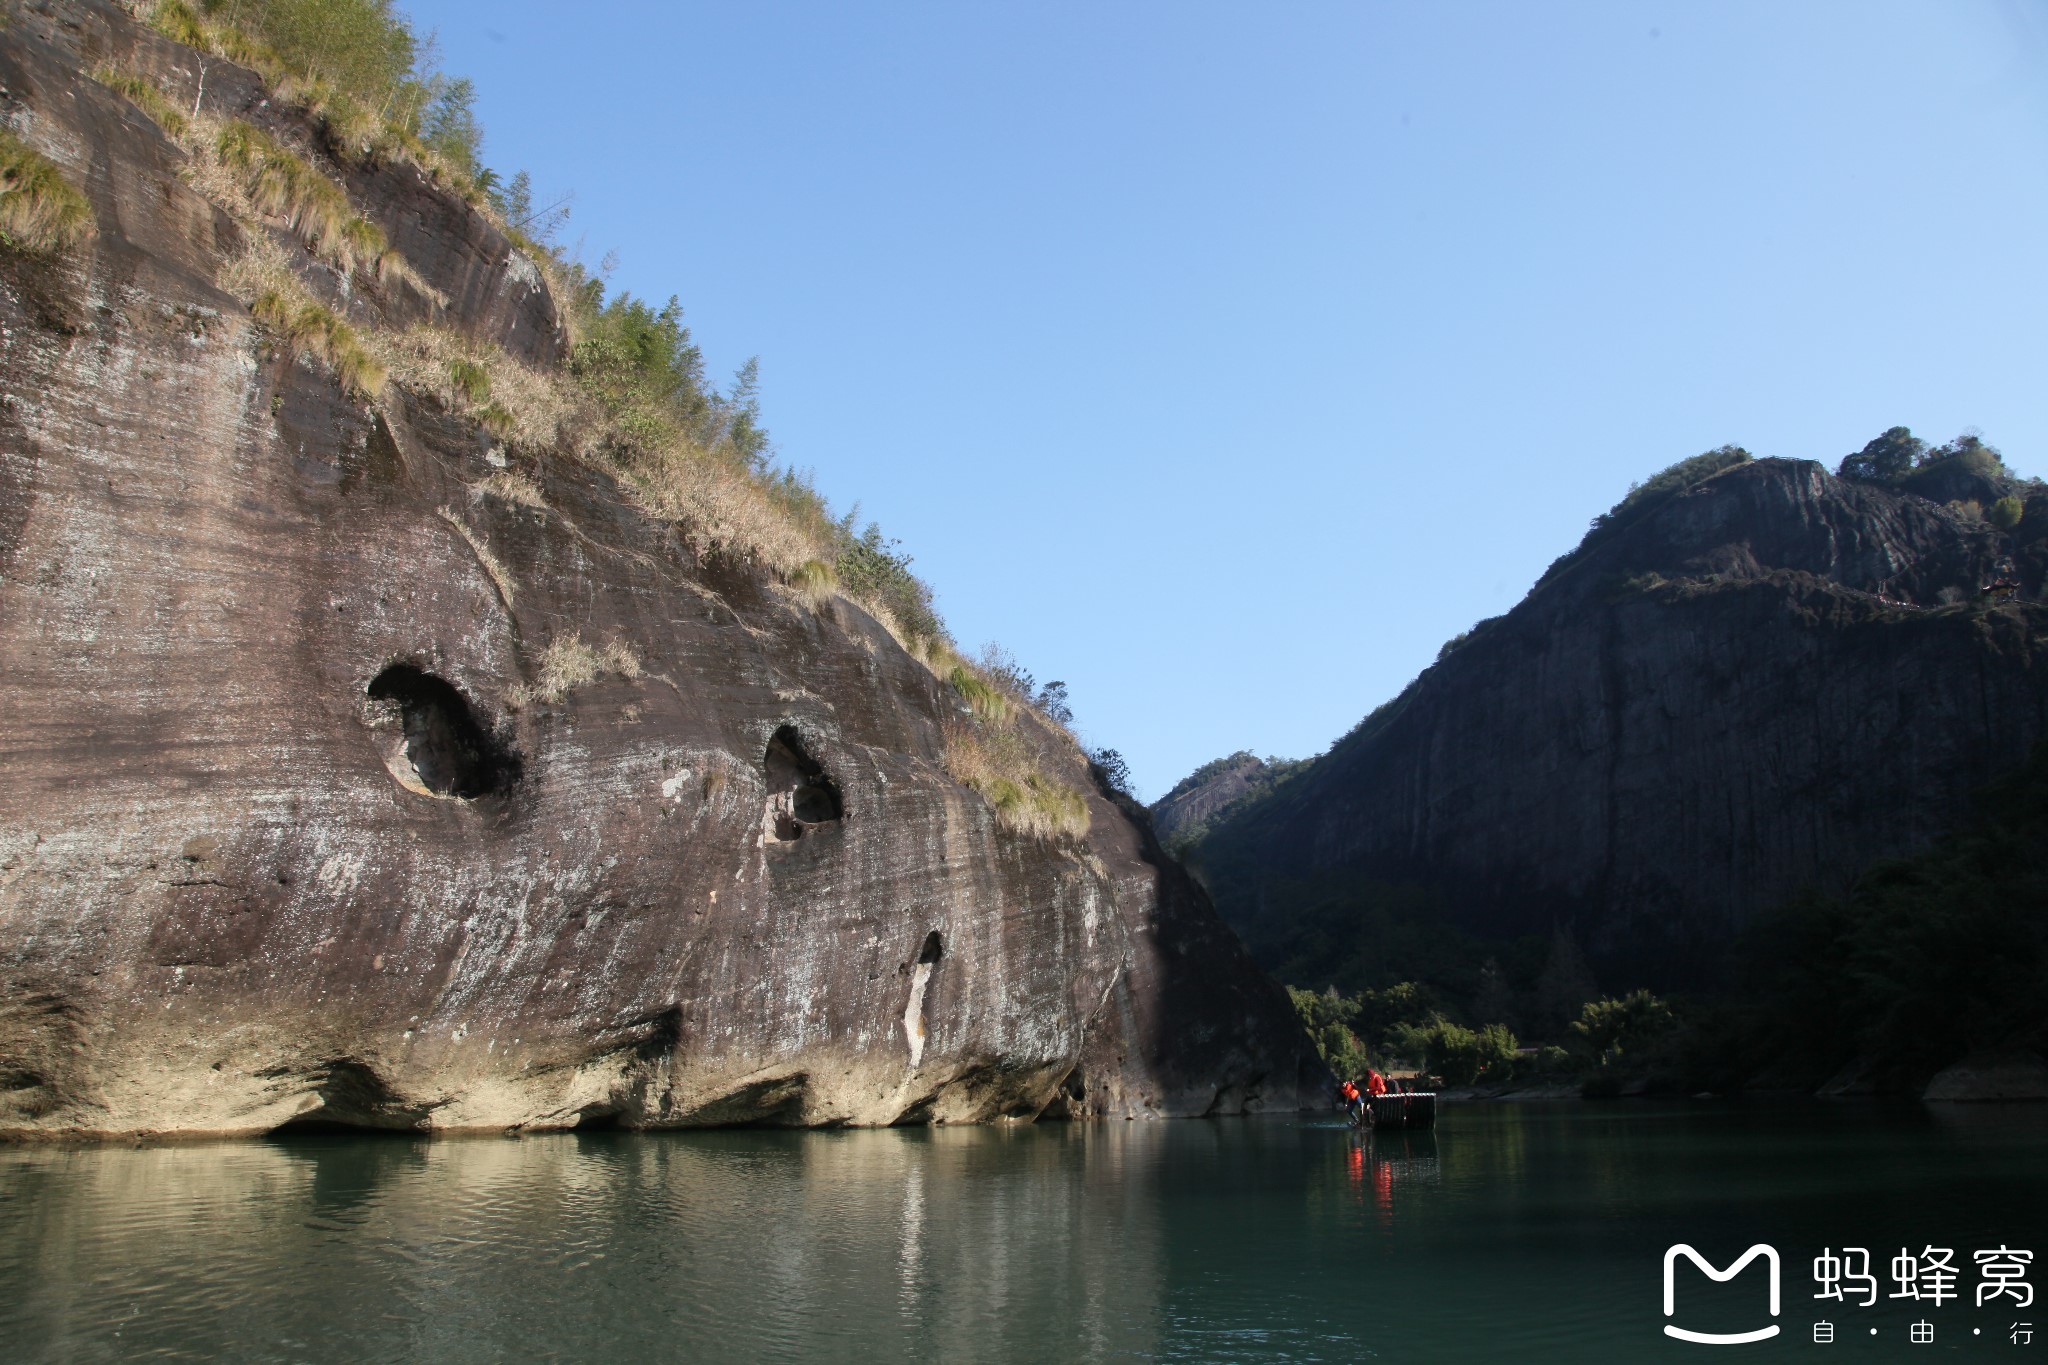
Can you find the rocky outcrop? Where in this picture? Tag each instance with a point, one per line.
(1756, 685)
(295, 832)
(1991, 1076)
(1200, 797)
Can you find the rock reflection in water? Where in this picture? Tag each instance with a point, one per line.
(1524, 1232)
(938, 1244)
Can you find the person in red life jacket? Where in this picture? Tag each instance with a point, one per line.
(1374, 1082)
(1348, 1092)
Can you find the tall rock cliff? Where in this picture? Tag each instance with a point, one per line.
(359, 771)
(1732, 691)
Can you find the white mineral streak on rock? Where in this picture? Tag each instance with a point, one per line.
(339, 874)
(913, 1013)
(521, 270)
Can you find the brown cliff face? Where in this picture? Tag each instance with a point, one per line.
(292, 832)
(1762, 684)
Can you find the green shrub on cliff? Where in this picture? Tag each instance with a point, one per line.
(982, 697)
(356, 64)
(363, 46)
(1643, 497)
(2006, 513)
(1967, 451)
(1890, 457)
(642, 366)
(1886, 458)
(40, 211)
(873, 569)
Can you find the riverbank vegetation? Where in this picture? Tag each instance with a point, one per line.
(1922, 962)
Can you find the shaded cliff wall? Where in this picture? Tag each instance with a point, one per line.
(1759, 685)
(290, 831)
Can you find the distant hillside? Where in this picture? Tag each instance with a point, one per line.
(1183, 816)
(1753, 677)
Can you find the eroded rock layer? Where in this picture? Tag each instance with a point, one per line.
(293, 829)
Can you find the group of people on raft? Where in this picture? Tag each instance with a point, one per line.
(1355, 1100)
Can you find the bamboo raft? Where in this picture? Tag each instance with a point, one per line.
(1401, 1111)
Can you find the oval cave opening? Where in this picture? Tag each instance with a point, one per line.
(801, 794)
(449, 750)
(933, 949)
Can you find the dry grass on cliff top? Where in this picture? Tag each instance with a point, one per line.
(255, 177)
(996, 761)
(147, 96)
(351, 67)
(263, 279)
(727, 507)
(694, 457)
(1003, 750)
(724, 508)
(509, 485)
(526, 408)
(251, 175)
(41, 212)
(726, 511)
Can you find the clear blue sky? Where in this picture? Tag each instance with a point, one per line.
(1223, 360)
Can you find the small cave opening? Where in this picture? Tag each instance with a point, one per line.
(1069, 1100)
(450, 751)
(320, 1123)
(351, 1098)
(932, 951)
(801, 794)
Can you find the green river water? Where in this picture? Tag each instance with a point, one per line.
(1512, 1232)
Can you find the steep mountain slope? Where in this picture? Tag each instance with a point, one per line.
(367, 765)
(1739, 686)
(1184, 814)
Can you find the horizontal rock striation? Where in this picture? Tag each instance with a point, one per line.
(1755, 686)
(297, 831)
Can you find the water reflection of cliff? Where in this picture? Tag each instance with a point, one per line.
(939, 1244)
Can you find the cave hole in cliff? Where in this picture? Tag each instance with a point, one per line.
(452, 754)
(801, 794)
(320, 1123)
(933, 949)
(352, 1098)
